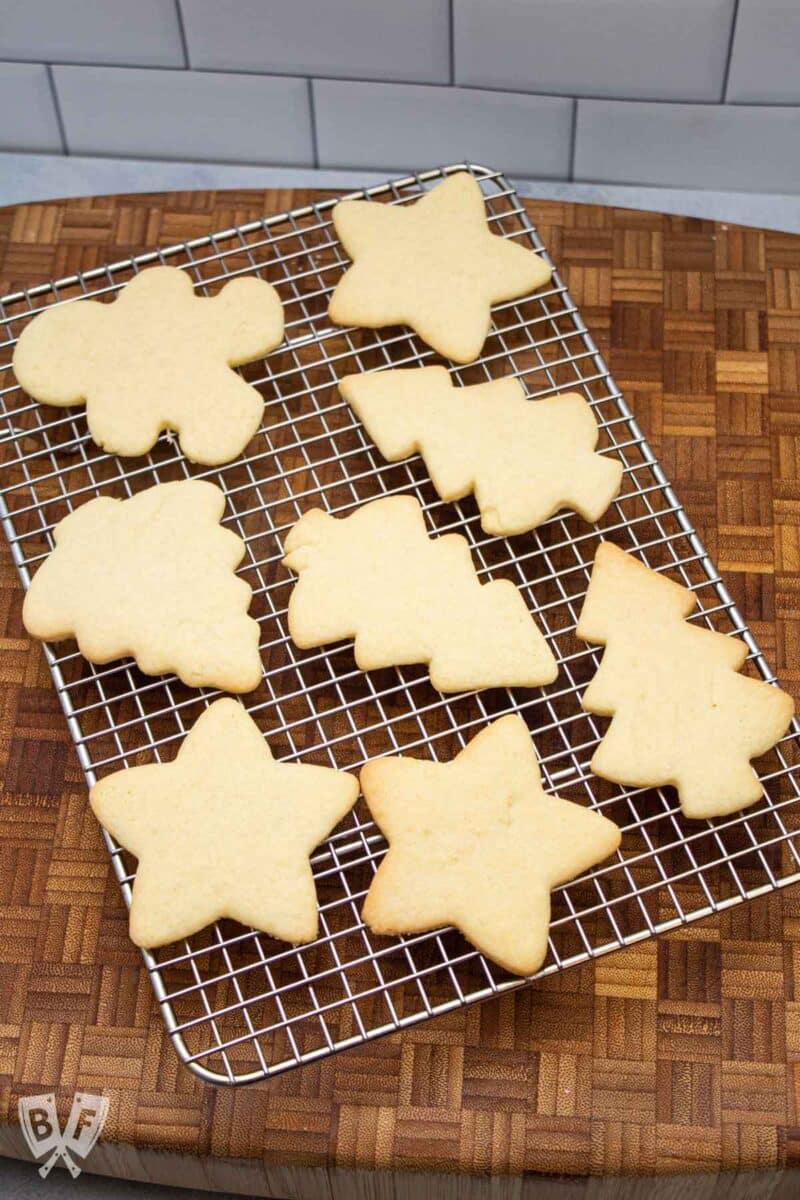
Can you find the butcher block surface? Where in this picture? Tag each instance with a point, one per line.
(678, 1055)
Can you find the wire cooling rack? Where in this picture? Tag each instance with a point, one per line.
(238, 1006)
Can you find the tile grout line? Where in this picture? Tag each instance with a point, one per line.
(182, 34)
(661, 101)
(62, 133)
(729, 59)
(451, 34)
(573, 137)
(312, 114)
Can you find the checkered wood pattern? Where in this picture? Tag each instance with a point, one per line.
(674, 1055)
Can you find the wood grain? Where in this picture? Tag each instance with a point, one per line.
(674, 1056)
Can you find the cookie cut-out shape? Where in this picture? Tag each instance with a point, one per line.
(223, 831)
(434, 265)
(524, 459)
(682, 715)
(158, 357)
(477, 843)
(405, 597)
(152, 577)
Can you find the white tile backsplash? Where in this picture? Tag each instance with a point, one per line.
(702, 93)
(205, 116)
(352, 39)
(403, 126)
(688, 145)
(765, 59)
(125, 32)
(641, 49)
(27, 113)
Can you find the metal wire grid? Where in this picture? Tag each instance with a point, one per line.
(238, 1006)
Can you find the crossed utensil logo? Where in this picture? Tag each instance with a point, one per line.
(40, 1127)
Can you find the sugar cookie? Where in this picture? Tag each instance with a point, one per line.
(158, 357)
(378, 577)
(223, 831)
(524, 459)
(434, 265)
(681, 713)
(152, 577)
(478, 844)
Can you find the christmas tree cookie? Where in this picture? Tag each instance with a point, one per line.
(152, 577)
(223, 831)
(158, 357)
(523, 459)
(478, 844)
(378, 577)
(434, 265)
(682, 714)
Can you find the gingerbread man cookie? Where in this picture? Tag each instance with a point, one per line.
(158, 357)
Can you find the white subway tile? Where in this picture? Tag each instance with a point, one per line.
(408, 127)
(766, 53)
(27, 113)
(643, 49)
(688, 145)
(196, 115)
(358, 39)
(128, 32)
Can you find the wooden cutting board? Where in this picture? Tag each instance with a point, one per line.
(679, 1055)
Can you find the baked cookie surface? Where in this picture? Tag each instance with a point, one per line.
(157, 357)
(434, 265)
(478, 844)
(153, 577)
(524, 459)
(681, 713)
(376, 576)
(223, 831)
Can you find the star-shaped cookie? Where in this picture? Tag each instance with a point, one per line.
(478, 844)
(158, 357)
(223, 831)
(434, 265)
